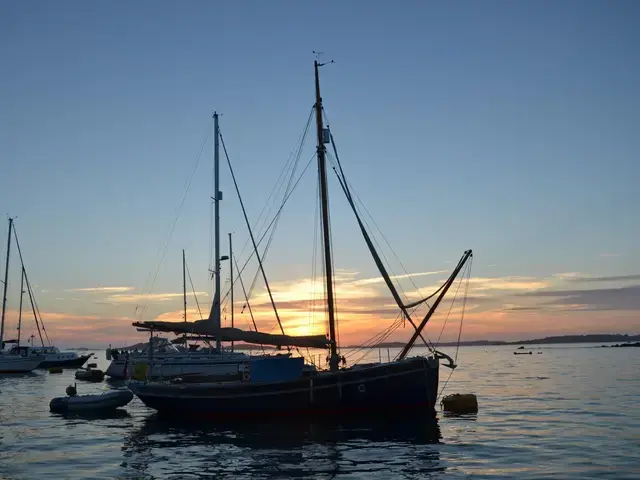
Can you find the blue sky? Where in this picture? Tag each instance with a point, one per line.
(506, 127)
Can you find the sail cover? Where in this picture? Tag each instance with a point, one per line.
(227, 334)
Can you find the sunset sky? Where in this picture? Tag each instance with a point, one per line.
(510, 128)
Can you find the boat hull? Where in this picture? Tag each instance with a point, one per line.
(411, 383)
(90, 403)
(182, 364)
(62, 361)
(18, 364)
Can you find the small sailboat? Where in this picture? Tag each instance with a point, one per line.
(169, 359)
(51, 355)
(281, 384)
(19, 359)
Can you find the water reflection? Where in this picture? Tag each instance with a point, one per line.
(396, 444)
(94, 415)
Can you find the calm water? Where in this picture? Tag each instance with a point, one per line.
(572, 412)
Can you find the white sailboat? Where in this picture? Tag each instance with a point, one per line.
(167, 359)
(19, 359)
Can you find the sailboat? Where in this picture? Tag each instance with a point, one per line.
(282, 385)
(53, 357)
(19, 359)
(162, 358)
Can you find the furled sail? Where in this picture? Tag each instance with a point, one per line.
(227, 334)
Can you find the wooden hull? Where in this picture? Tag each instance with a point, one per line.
(411, 383)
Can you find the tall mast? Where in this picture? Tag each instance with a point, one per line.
(231, 281)
(20, 311)
(322, 169)
(6, 281)
(215, 310)
(184, 284)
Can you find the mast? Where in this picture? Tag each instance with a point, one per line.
(215, 309)
(231, 281)
(184, 285)
(322, 169)
(20, 311)
(6, 281)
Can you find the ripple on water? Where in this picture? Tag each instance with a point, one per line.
(568, 414)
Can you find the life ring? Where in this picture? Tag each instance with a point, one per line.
(246, 376)
(362, 388)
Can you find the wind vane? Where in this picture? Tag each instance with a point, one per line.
(317, 54)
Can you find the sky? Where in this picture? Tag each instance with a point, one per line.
(509, 128)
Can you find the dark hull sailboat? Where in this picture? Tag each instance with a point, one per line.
(282, 384)
(410, 383)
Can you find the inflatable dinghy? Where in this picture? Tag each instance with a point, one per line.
(109, 400)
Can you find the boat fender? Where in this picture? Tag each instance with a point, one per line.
(362, 388)
(460, 403)
(246, 376)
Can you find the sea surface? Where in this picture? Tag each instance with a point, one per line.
(571, 412)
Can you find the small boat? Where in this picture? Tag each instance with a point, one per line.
(109, 400)
(89, 374)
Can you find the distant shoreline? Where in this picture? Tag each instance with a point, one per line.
(592, 338)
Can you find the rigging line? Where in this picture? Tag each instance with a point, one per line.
(194, 291)
(246, 299)
(341, 176)
(298, 147)
(273, 230)
(163, 249)
(365, 208)
(30, 290)
(381, 267)
(380, 336)
(255, 247)
(293, 156)
(244, 266)
(464, 306)
(391, 329)
(453, 301)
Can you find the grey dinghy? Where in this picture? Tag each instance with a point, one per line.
(109, 400)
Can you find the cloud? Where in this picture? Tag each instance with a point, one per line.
(616, 278)
(102, 289)
(623, 298)
(609, 254)
(153, 297)
(369, 281)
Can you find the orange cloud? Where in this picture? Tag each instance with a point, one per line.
(501, 308)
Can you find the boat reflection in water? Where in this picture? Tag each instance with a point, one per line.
(397, 444)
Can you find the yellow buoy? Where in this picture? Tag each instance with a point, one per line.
(55, 370)
(460, 403)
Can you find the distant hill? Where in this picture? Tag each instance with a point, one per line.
(592, 338)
